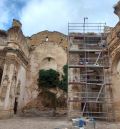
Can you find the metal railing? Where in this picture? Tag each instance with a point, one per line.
(86, 46)
(90, 61)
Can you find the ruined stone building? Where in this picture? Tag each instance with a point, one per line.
(113, 40)
(94, 72)
(93, 68)
(21, 58)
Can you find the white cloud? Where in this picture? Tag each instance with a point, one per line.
(3, 13)
(39, 15)
(46, 14)
(54, 15)
(9, 9)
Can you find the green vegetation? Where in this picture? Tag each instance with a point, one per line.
(51, 79)
(48, 78)
(64, 82)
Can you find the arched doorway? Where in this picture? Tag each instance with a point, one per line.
(17, 94)
(1, 73)
(15, 105)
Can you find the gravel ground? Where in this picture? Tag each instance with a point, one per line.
(48, 123)
(33, 123)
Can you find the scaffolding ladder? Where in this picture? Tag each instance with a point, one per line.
(88, 72)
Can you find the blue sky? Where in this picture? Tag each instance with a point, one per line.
(54, 15)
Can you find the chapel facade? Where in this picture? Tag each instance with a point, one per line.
(21, 58)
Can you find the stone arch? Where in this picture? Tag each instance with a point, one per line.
(48, 63)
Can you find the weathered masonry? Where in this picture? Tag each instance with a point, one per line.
(97, 97)
(113, 40)
(93, 66)
(21, 58)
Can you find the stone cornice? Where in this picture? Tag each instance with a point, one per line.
(19, 54)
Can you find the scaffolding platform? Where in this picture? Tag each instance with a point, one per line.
(89, 76)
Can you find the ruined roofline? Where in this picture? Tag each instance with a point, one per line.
(114, 28)
(116, 4)
(3, 33)
(47, 31)
(16, 23)
(117, 9)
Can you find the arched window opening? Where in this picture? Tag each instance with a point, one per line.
(49, 59)
(48, 63)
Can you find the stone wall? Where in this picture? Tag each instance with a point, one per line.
(54, 37)
(14, 60)
(45, 55)
(21, 58)
(113, 40)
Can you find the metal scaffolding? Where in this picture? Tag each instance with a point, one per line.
(89, 90)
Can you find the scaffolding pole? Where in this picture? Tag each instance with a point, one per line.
(87, 68)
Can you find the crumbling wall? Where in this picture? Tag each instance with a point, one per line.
(44, 54)
(21, 59)
(113, 41)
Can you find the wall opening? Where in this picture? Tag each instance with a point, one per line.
(46, 39)
(1, 73)
(48, 63)
(15, 105)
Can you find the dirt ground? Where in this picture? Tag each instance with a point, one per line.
(48, 123)
(33, 123)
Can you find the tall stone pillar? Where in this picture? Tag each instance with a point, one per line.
(7, 94)
(14, 74)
